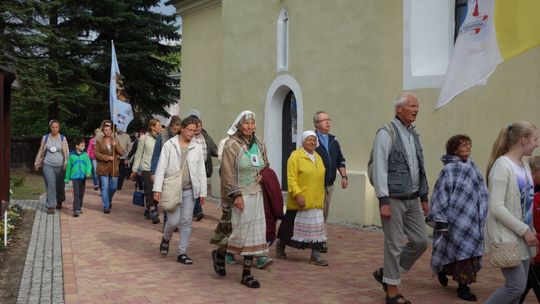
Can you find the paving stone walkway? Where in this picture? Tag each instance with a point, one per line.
(114, 258)
(42, 279)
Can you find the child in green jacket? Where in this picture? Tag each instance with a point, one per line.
(78, 168)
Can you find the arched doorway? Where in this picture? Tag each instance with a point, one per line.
(289, 130)
(283, 122)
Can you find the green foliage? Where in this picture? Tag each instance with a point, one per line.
(16, 181)
(14, 216)
(61, 51)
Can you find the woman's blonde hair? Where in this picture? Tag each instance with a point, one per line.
(152, 122)
(508, 137)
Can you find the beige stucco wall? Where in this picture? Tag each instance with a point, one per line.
(347, 57)
(202, 62)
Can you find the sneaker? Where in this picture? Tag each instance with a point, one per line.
(50, 210)
(106, 211)
(76, 213)
(263, 262)
(96, 188)
(229, 259)
(147, 214)
(318, 261)
(59, 206)
(280, 250)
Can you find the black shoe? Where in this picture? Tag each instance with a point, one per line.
(199, 216)
(147, 214)
(155, 217)
(378, 275)
(164, 247)
(464, 293)
(219, 263)
(59, 206)
(76, 213)
(96, 188)
(443, 280)
(106, 211)
(184, 259)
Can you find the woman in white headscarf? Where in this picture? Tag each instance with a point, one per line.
(244, 156)
(303, 224)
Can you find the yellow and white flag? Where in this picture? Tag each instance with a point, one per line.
(493, 31)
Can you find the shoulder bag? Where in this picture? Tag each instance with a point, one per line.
(171, 191)
(506, 254)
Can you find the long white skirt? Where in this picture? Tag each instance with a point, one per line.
(248, 235)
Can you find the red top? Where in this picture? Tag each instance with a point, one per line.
(536, 222)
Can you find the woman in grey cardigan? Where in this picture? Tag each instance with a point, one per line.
(510, 204)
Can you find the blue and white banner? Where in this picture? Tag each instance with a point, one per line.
(119, 106)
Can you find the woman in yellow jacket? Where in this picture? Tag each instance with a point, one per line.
(303, 224)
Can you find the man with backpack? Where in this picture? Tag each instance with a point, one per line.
(399, 178)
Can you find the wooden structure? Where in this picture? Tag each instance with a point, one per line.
(8, 78)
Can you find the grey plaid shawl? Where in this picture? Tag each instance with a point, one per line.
(459, 199)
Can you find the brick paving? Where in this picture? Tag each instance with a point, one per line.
(114, 258)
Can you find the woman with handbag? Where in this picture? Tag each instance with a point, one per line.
(142, 164)
(180, 179)
(509, 225)
(458, 208)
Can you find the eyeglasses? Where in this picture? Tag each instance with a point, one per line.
(326, 119)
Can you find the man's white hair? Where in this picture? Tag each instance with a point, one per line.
(402, 98)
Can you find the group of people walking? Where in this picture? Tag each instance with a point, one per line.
(462, 207)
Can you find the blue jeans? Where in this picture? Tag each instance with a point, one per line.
(108, 188)
(95, 177)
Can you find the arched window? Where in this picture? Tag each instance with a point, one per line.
(283, 41)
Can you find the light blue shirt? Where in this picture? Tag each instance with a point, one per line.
(324, 139)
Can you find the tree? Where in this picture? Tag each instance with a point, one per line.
(62, 51)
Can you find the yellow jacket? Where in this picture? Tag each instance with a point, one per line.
(306, 178)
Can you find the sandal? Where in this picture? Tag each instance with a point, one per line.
(184, 259)
(399, 299)
(164, 247)
(378, 275)
(250, 282)
(219, 263)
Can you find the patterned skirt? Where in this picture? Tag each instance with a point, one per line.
(463, 271)
(303, 229)
(248, 235)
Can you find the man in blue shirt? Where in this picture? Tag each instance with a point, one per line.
(333, 159)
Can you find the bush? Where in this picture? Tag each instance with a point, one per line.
(16, 181)
(14, 216)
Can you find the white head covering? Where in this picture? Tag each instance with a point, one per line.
(194, 112)
(308, 133)
(244, 115)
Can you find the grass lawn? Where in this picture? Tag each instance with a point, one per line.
(31, 187)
